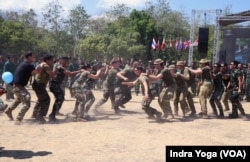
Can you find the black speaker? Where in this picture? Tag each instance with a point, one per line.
(203, 40)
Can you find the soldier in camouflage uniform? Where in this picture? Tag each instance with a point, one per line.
(123, 92)
(147, 99)
(181, 92)
(83, 94)
(217, 92)
(168, 90)
(108, 86)
(56, 87)
(225, 78)
(247, 84)
(243, 80)
(21, 78)
(157, 85)
(235, 89)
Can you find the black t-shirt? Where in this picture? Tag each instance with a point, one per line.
(23, 73)
(167, 77)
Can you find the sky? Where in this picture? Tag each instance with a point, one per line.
(96, 7)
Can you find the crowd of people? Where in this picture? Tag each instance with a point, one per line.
(166, 81)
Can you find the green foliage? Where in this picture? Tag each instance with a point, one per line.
(15, 39)
(122, 32)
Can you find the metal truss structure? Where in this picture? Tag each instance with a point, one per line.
(216, 33)
(220, 21)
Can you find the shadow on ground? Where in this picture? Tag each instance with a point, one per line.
(21, 154)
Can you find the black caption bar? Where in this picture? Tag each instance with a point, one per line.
(207, 153)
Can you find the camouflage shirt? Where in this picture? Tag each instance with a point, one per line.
(111, 78)
(60, 75)
(234, 78)
(83, 76)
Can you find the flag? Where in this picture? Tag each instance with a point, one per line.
(195, 43)
(163, 45)
(176, 43)
(180, 45)
(153, 45)
(186, 44)
(158, 45)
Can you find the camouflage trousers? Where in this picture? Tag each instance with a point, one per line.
(236, 104)
(58, 93)
(122, 95)
(215, 101)
(180, 96)
(225, 97)
(146, 105)
(108, 92)
(22, 96)
(164, 99)
(84, 100)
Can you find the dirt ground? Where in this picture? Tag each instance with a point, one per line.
(129, 137)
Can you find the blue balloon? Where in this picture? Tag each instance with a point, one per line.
(7, 77)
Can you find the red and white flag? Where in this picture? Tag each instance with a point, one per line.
(163, 45)
(195, 43)
(158, 45)
(186, 44)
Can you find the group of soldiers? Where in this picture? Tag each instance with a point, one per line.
(166, 81)
(216, 83)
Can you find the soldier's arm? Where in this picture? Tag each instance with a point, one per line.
(130, 83)
(195, 71)
(240, 83)
(155, 77)
(121, 76)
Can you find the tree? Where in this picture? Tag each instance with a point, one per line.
(95, 47)
(144, 24)
(15, 39)
(118, 11)
(77, 25)
(29, 19)
(98, 25)
(53, 21)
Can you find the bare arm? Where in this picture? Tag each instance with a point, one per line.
(197, 71)
(186, 77)
(212, 75)
(92, 76)
(73, 73)
(130, 83)
(155, 77)
(36, 70)
(121, 76)
(240, 84)
(145, 85)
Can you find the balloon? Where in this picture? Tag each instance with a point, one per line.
(7, 77)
